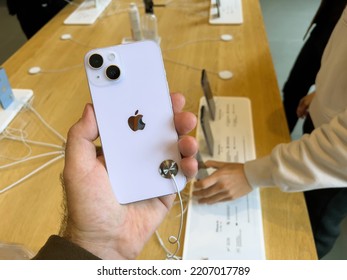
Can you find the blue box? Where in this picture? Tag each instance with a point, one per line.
(6, 94)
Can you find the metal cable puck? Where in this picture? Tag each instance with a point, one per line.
(167, 168)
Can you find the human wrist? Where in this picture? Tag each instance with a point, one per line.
(258, 172)
(104, 248)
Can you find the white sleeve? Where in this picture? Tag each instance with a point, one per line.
(316, 161)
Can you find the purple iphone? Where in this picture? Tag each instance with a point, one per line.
(134, 113)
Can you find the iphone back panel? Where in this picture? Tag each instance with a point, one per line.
(134, 114)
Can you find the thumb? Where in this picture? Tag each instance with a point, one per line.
(86, 127)
(79, 145)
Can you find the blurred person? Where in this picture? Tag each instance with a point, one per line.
(316, 163)
(34, 14)
(303, 73)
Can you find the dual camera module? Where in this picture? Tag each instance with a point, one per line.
(96, 61)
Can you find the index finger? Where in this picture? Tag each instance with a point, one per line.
(178, 102)
(206, 182)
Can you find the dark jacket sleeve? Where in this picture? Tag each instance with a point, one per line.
(11, 6)
(58, 248)
(327, 15)
(329, 12)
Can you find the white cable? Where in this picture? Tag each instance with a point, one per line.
(193, 42)
(189, 66)
(22, 137)
(224, 75)
(8, 133)
(81, 43)
(39, 70)
(173, 239)
(185, 198)
(68, 37)
(182, 64)
(193, 9)
(31, 174)
(30, 158)
(118, 11)
(45, 123)
(33, 142)
(168, 253)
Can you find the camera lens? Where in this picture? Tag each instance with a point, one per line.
(96, 60)
(113, 72)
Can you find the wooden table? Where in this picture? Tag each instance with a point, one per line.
(31, 212)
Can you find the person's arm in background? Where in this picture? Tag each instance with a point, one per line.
(304, 104)
(318, 160)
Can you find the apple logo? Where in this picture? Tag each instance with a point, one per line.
(135, 122)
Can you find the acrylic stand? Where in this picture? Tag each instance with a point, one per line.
(22, 96)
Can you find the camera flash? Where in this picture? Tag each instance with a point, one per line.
(111, 56)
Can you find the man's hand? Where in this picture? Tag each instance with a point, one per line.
(96, 221)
